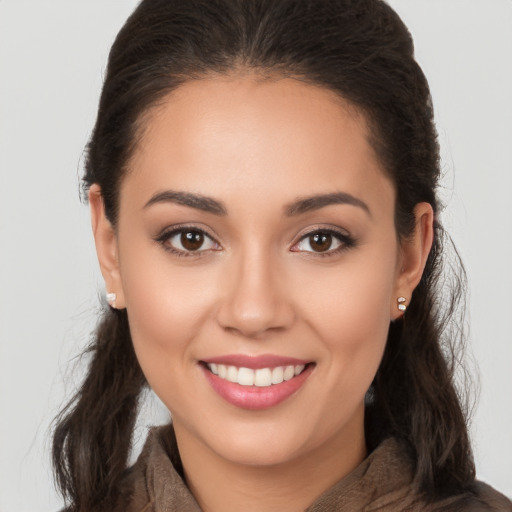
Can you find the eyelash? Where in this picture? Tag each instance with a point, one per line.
(346, 241)
(168, 235)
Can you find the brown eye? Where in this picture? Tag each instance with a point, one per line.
(327, 242)
(320, 242)
(191, 240)
(186, 241)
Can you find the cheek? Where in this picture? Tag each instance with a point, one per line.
(352, 301)
(167, 305)
(348, 309)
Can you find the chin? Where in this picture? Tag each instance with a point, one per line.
(274, 453)
(253, 442)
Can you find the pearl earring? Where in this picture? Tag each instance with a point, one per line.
(111, 299)
(401, 304)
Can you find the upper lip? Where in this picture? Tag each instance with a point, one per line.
(255, 362)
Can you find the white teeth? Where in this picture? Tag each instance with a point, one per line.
(232, 374)
(262, 377)
(277, 375)
(246, 377)
(289, 373)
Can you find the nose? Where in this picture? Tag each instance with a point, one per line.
(254, 300)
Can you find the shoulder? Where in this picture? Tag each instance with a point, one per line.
(485, 498)
(384, 482)
(482, 498)
(478, 497)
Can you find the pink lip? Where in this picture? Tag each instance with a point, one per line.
(253, 397)
(255, 362)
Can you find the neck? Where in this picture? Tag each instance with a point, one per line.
(220, 485)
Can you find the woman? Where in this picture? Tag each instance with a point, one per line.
(262, 180)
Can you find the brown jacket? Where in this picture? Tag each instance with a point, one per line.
(382, 482)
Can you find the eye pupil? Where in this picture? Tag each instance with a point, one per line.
(192, 240)
(320, 242)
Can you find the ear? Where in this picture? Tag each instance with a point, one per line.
(106, 246)
(414, 252)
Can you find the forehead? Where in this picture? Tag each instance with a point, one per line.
(246, 136)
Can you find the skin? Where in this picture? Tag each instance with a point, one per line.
(259, 286)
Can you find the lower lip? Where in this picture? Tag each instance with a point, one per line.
(254, 397)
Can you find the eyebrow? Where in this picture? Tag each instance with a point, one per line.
(302, 205)
(199, 202)
(316, 202)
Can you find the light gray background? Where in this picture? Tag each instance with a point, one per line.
(52, 57)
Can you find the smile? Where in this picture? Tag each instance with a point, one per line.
(256, 383)
(262, 377)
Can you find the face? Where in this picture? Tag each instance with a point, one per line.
(258, 261)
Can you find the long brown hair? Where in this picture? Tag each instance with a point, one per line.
(361, 50)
